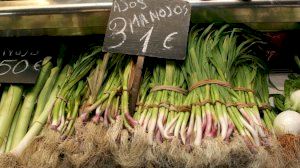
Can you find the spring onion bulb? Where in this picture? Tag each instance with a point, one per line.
(287, 122)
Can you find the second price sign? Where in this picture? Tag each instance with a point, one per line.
(155, 28)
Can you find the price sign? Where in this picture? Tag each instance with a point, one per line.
(19, 65)
(156, 28)
(21, 57)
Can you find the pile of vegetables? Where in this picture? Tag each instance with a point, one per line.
(24, 107)
(220, 88)
(109, 101)
(95, 86)
(68, 99)
(67, 87)
(219, 91)
(161, 111)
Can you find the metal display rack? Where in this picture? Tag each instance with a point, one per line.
(84, 17)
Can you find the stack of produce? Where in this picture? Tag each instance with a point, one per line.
(22, 106)
(59, 100)
(91, 85)
(73, 87)
(219, 91)
(161, 111)
(221, 69)
(227, 90)
(111, 100)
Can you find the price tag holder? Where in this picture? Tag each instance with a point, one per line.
(154, 28)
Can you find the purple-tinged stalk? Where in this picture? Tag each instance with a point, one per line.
(80, 69)
(217, 109)
(75, 102)
(129, 121)
(160, 115)
(104, 104)
(95, 82)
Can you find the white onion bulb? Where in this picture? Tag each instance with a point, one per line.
(287, 122)
(295, 100)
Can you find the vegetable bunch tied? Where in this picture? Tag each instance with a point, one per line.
(161, 111)
(221, 85)
(110, 100)
(59, 98)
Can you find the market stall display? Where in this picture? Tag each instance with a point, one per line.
(213, 109)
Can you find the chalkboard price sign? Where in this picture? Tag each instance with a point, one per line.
(19, 65)
(156, 28)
